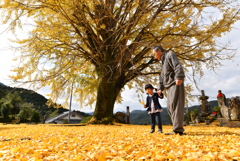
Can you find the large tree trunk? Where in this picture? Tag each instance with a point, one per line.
(107, 93)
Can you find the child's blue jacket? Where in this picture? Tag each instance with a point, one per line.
(155, 101)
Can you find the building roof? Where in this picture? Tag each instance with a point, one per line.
(62, 116)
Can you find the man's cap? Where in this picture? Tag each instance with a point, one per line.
(149, 86)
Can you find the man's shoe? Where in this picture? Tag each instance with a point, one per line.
(160, 131)
(182, 133)
(152, 131)
(175, 133)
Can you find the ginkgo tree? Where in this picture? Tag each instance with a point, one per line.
(96, 47)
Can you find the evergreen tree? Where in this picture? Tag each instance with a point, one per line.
(35, 117)
(2, 93)
(26, 112)
(5, 110)
(14, 101)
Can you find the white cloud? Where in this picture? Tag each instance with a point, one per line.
(226, 79)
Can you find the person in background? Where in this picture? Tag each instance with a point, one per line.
(220, 94)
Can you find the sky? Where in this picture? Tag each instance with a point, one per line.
(226, 78)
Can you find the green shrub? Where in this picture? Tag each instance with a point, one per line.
(218, 110)
(5, 120)
(86, 119)
(35, 116)
(65, 121)
(17, 121)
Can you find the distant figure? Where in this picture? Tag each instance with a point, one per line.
(153, 107)
(220, 94)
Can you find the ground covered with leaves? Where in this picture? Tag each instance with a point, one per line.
(116, 142)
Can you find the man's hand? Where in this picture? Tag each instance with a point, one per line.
(179, 81)
(159, 92)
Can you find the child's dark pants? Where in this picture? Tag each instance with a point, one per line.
(155, 116)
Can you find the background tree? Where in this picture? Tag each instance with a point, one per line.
(26, 112)
(16, 102)
(35, 117)
(13, 101)
(100, 46)
(2, 94)
(5, 110)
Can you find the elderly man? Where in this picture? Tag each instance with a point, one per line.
(171, 79)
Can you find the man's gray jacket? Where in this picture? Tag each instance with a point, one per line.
(171, 70)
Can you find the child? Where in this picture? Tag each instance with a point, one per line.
(153, 107)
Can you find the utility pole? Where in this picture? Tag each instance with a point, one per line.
(128, 115)
(70, 104)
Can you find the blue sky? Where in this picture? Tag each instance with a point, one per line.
(226, 78)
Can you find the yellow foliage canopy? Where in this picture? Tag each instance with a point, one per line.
(87, 42)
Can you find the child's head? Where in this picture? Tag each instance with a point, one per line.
(149, 89)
